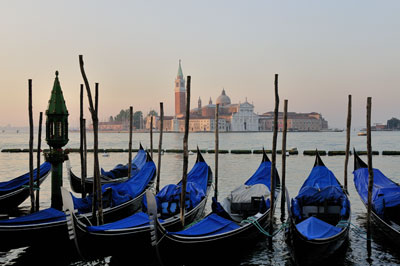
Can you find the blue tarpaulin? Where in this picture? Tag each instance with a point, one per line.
(214, 224)
(385, 193)
(135, 220)
(197, 183)
(43, 216)
(121, 192)
(320, 186)
(314, 228)
(122, 170)
(24, 179)
(210, 225)
(320, 177)
(196, 190)
(261, 176)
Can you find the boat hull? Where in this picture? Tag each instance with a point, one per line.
(305, 251)
(122, 242)
(14, 198)
(232, 245)
(56, 232)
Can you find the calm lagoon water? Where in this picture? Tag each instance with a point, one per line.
(233, 171)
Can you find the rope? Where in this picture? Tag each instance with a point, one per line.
(356, 229)
(254, 221)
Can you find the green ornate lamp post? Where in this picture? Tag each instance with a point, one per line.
(56, 137)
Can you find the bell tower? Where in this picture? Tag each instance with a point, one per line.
(180, 93)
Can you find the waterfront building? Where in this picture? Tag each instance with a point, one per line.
(295, 121)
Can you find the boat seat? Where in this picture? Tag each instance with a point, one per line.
(310, 210)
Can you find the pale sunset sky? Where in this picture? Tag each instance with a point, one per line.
(322, 50)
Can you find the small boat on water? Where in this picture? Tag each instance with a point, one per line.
(385, 198)
(118, 174)
(232, 227)
(319, 217)
(132, 234)
(16, 191)
(362, 133)
(49, 226)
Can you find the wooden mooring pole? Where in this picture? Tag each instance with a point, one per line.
(370, 175)
(37, 205)
(185, 152)
(151, 136)
(84, 175)
(130, 141)
(81, 151)
(216, 150)
(97, 199)
(273, 162)
(160, 146)
(284, 133)
(31, 193)
(348, 130)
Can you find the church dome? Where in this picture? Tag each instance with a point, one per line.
(223, 99)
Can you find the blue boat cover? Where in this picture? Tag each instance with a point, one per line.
(43, 216)
(385, 193)
(196, 190)
(196, 178)
(122, 170)
(261, 176)
(24, 179)
(314, 228)
(210, 225)
(320, 186)
(120, 192)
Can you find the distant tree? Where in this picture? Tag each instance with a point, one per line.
(123, 116)
(111, 119)
(153, 113)
(393, 123)
(137, 118)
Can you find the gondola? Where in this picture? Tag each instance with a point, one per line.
(118, 174)
(319, 217)
(49, 226)
(132, 234)
(385, 211)
(16, 191)
(232, 227)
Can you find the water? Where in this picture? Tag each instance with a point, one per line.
(233, 171)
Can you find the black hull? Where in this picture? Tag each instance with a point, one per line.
(316, 251)
(56, 232)
(76, 182)
(13, 199)
(223, 248)
(389, 231)
(123, 242)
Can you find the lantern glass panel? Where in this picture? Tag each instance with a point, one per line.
(59, 129)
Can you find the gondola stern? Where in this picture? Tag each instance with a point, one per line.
(140, 146)
(358, 163)
(265, 156)
(199, 156)
(148, 157)
(318, 160)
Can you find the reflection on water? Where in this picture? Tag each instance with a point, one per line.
(234, 169)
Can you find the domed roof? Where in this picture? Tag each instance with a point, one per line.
(223, 99)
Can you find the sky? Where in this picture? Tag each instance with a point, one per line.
(322, 50)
